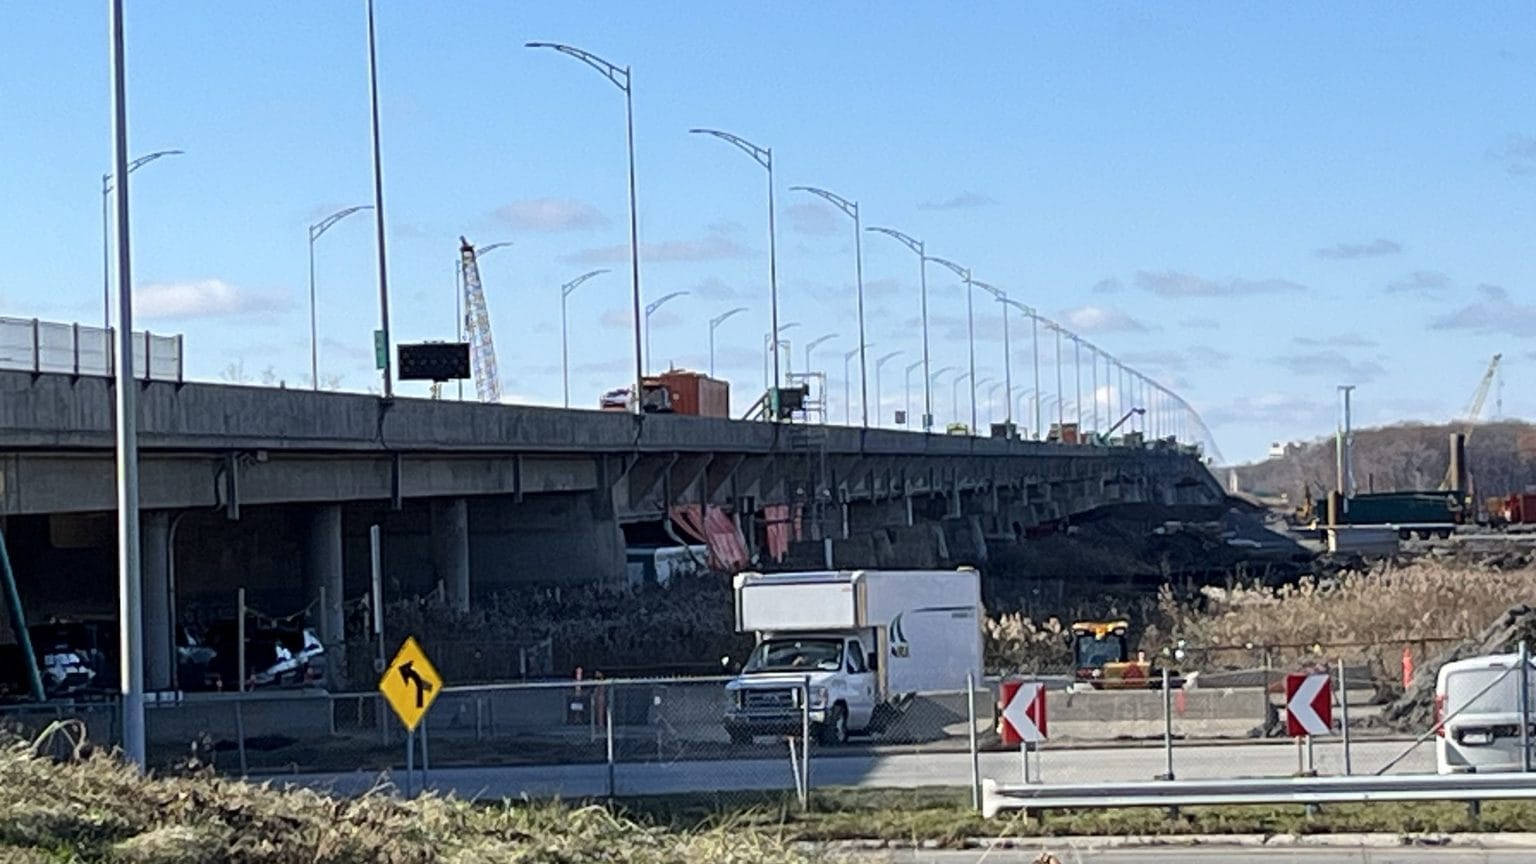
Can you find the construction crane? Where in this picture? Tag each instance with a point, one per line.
(477, 323)
(1475, 410)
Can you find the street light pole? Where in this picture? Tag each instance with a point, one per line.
(878, 392)
(811, 346)
(716, 322)
(999, 296)
(851, 209)
(1061, 417)
(847, 384)
(922, 274)
(106, 279)
(130, 607)
(1077, 374)
(650, 308)
(387, 367)
(769, 347)
(315, 231)
(565, 357)
(764, 157)
(907, 422)
(954, 394)
(621, 78)
(970, 326)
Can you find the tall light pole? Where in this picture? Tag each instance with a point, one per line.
(764, 157)
(907, 422)
(940, 373)
(1061, 417)
(1093, 366)
(106, 242)
(1077, 375)
(622, 80)
(716, 322)
(1034, 341)
(991, 397)
(922, 274)
(970, 324)
(847, 388)
(315, 231)
(851, 209)
(565, 357)
(999, 296)
(954, 394)
(650, 309)
(130, 607)
(813, 344)
(878, 392)
(770, 347)
(382, 341)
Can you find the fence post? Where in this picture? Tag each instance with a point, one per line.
(1525, 707)
(805, 742)
(1264, 694)
(970, 713)
(1168, 723)
(37, 346)
(1344, 716)
(74, 346)
(147, 351)
(607, 691)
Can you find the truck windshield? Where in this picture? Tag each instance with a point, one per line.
(1095, 653)
(794, 655)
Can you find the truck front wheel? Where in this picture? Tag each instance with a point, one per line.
(834, 732)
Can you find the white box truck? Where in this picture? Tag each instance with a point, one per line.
(859, 644)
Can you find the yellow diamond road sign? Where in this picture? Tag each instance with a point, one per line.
(410, 684)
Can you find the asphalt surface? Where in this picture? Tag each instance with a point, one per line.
(888, 768)
(1212, 855)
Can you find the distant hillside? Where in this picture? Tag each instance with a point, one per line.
(1500, 456)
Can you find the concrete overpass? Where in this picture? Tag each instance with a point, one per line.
(274, 489)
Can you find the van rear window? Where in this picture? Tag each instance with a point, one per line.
(1501, 698)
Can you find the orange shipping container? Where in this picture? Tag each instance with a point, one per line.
(697, 394)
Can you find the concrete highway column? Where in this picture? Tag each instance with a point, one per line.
(159, 637)
(322, 569)
(450, 549)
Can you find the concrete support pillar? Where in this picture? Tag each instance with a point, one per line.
(953, 500)
(159, 634)
(323, 581)
(907, 499)
(450, 549)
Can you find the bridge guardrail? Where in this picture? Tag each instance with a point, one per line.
(34, 345)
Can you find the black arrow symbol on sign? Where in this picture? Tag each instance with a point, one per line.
(409, 676)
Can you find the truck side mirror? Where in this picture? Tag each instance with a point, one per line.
(873, 661)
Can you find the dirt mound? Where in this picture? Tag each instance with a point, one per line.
(1414, 710)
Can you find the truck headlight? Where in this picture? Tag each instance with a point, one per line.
(818, 697)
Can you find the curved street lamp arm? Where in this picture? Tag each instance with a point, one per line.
(887, 358)
(325, 224)
(567, 288)
(106, 179)
(811, 346)
(491, 247)
(851, 208)
(962, 272)
(945, 370)
(657, 303)
(718, 319)
(996, 292)
(912, 243)
(763, 155)
(912, 366)
(619, 75)
(1026, 309)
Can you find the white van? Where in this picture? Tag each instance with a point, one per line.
(1477, 715)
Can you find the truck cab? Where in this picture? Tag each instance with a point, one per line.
(846, 651)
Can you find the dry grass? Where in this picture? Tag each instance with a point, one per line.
(96, 809)
(1017, 643)
(1358, 617)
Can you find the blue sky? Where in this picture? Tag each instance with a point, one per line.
(1249, 202)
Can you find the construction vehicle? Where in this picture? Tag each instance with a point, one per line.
(1103, 437)
(477, 326)
(1101, 657)
(675, 391)
(1473, 413)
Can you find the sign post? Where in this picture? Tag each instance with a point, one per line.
(1023, 717)
(1308, 709)
(410, 684)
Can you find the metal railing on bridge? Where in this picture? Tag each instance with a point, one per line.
(34, 345)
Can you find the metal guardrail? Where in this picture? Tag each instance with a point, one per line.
(996, 798)
(33, 345)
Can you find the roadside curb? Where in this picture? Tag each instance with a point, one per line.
(1375, 840)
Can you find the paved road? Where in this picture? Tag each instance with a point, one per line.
(888, 768)
(1212, 855)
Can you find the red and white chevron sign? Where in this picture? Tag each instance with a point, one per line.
(1309, 704)
(1023, 712)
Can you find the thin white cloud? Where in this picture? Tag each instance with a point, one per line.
(1343, 340)
(551, 215)
(1349, 251)
(1108, 286)
(1101, 319)
(1518, 155)
(203, 298)
(1494, 313)
(1200, 323)
(1332, 364)
(1175, 283)
(813, 218)
(1424, 283)
(962, 201)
